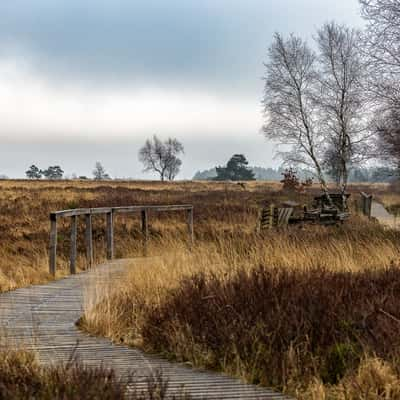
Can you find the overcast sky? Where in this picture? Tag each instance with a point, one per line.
(82, 81)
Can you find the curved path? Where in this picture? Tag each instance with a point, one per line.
(42, 318)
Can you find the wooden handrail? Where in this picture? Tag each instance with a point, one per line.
(109, 213)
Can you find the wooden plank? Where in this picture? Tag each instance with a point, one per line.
(110, 235)
(101, 210)
(283, 216)
(72, 263)
(271, 216)
(89, 240)
(71, 213)
(53, 244)
(126, 209)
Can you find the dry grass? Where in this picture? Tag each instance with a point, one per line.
(319, 263)
(206, 307)
(22, 378)
(25, 208)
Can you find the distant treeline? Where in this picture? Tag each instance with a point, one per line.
(371, 174)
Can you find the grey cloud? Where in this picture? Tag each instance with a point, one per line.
(218, 44)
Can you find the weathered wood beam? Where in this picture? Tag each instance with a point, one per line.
(72, 264)
(89, 241)
(53, 244)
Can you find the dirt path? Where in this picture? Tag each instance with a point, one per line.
(43, 318)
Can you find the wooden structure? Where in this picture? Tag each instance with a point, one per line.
(366, 204)
(322, 212)
(109, 213)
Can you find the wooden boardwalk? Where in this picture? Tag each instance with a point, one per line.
(42, 318)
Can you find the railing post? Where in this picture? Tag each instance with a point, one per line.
(53, 244)
(145, 230)
(190, 226)
(366, 204)
(72, 265)
(110, 235)
(89, 241)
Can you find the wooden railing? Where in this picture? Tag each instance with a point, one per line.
(109, 212)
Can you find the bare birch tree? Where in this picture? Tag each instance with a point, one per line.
(162, 157)
(289, 103)
(341, 98)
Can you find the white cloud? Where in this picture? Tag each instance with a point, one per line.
(33, 107)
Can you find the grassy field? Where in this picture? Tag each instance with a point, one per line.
(313, 311)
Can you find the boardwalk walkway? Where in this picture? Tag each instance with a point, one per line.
(43, 318)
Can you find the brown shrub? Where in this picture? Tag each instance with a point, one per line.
(275, 325)
(21, 378)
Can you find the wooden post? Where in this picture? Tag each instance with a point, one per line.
(110, 235)
(190, 226)
(89, 241)
(145, 230)
(366, 204)
(271, 216)
(72, 265)
(53, 244)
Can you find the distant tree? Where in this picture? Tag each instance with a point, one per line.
(173, 168)
(162, 157)
(208, 174)
(99, 173)
(33, 172)
(2, 176)
(53, 172)
(236, 170)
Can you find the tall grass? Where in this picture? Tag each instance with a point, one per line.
(286, 309)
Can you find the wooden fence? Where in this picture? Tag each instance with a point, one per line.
(109, 213)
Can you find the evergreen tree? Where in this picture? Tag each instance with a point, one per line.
(236, 170)
(33, 172)
(53, 172)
